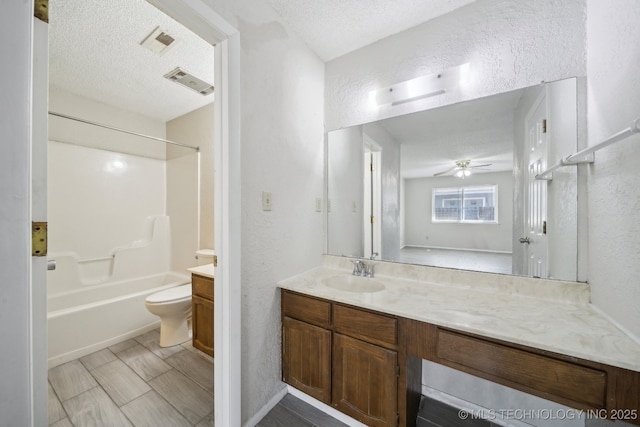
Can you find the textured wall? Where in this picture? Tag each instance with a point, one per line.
(614, 194)
(509, 44)
(282, 152)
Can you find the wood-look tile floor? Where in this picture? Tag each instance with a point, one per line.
(134, 383)
(293, 412)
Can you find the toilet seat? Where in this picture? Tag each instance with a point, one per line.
(171, 294)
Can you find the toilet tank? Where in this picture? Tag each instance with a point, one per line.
(204, 256)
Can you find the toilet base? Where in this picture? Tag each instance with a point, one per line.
(174, 332)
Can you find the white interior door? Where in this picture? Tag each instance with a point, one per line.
(536, 194)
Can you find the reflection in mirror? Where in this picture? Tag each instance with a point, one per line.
(455, 186)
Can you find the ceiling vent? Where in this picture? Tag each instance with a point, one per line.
(185, 79)
(158, 41)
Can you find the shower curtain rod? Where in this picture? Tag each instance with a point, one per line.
(64, 116)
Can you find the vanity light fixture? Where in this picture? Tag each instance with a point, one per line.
(421, 87)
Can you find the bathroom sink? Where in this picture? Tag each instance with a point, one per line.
(353, 284)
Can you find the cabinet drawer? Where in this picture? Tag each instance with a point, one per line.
(537, 373)
(307, 309)
(202, 286)
(372, 327)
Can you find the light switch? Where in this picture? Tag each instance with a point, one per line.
(266, 201)
(318, 204)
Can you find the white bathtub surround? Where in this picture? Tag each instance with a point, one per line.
(146, 256)
(554, 316)
(88, 319)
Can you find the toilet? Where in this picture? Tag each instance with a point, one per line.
(204, 256)
(173, 306)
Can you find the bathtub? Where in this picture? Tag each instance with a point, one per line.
(84, 320)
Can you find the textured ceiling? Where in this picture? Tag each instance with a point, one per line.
(95, 47)
(480, 130)
(95, 52)
(333, 28)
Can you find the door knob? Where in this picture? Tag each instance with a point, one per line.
(525, 240)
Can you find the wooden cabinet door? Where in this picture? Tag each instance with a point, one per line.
(306, 358)
(365, 381)
(202, 324)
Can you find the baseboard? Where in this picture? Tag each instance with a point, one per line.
(266, 408)
(324, 408)
(75, 354)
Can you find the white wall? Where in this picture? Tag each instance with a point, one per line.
(282, 152)
(509, 44)
(190, 186)
(421, 231)
(613, 56)
(65, 130)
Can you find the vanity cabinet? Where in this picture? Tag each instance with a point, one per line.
(343, 356)
(306, 345)
(202, 313)
(368, 365)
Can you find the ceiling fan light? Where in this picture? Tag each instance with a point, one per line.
(467, 172)
(460, 174)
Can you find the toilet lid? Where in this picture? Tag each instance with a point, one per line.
(171, 294)
(205, 252)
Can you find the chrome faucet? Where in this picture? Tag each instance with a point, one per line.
(360, 268)
(368, 270)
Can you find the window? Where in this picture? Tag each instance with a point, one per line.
(475, 205)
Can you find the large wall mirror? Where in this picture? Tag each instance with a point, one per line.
(455, 186)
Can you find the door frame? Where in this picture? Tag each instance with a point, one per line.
(208, 24)
(203, 20)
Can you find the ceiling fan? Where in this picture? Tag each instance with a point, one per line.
(461, 169)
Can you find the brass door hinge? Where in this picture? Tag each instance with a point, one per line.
(41, 10)
(38, 239)
(373, 219)
(215, 260)
(544, 125)
(544, 227)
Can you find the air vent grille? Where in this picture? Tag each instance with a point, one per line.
(165, 39)
(158, 41)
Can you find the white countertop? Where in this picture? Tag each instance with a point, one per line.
(203, 270)
(543, 314)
